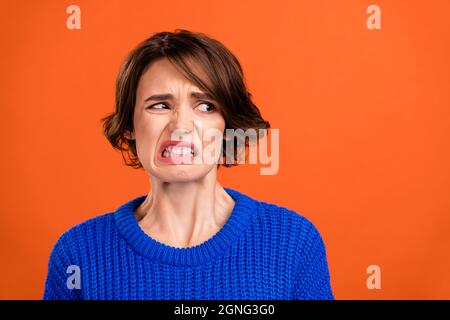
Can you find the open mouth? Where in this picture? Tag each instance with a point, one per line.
(173, 150)
(177, 151)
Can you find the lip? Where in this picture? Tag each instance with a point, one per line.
(179, 158)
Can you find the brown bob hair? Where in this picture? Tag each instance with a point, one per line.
(204, 61)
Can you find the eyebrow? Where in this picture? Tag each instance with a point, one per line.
(168, 96)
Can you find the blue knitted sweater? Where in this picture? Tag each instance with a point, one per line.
(263, 251)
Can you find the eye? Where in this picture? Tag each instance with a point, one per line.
(206, 107)
(158, 106)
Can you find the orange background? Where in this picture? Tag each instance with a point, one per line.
(363, 118)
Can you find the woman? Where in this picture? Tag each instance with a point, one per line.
(189, 238)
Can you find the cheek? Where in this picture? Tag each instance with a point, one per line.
(216, 123)
(211, 129)
(148, 132)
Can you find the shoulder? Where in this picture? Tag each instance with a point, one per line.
(98, 222)
(297, 232)
(291, 223)
(267, 210)
(83, 232)
(284, 214)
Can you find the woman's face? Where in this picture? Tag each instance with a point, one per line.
(173, 131)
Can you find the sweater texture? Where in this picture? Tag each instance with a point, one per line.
(262, 252)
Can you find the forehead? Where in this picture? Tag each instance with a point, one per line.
(161, 76)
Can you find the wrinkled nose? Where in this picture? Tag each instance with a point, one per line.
(182, 124)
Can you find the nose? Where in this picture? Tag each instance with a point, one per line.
(181, 124)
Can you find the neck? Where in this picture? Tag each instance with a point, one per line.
(184, 214)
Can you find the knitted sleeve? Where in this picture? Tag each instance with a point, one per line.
(313, 278)
(61, 282)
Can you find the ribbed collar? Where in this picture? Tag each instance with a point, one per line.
(145, 245)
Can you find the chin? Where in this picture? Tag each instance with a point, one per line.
(181, 173)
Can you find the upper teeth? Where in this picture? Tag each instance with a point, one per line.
(177, 150)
